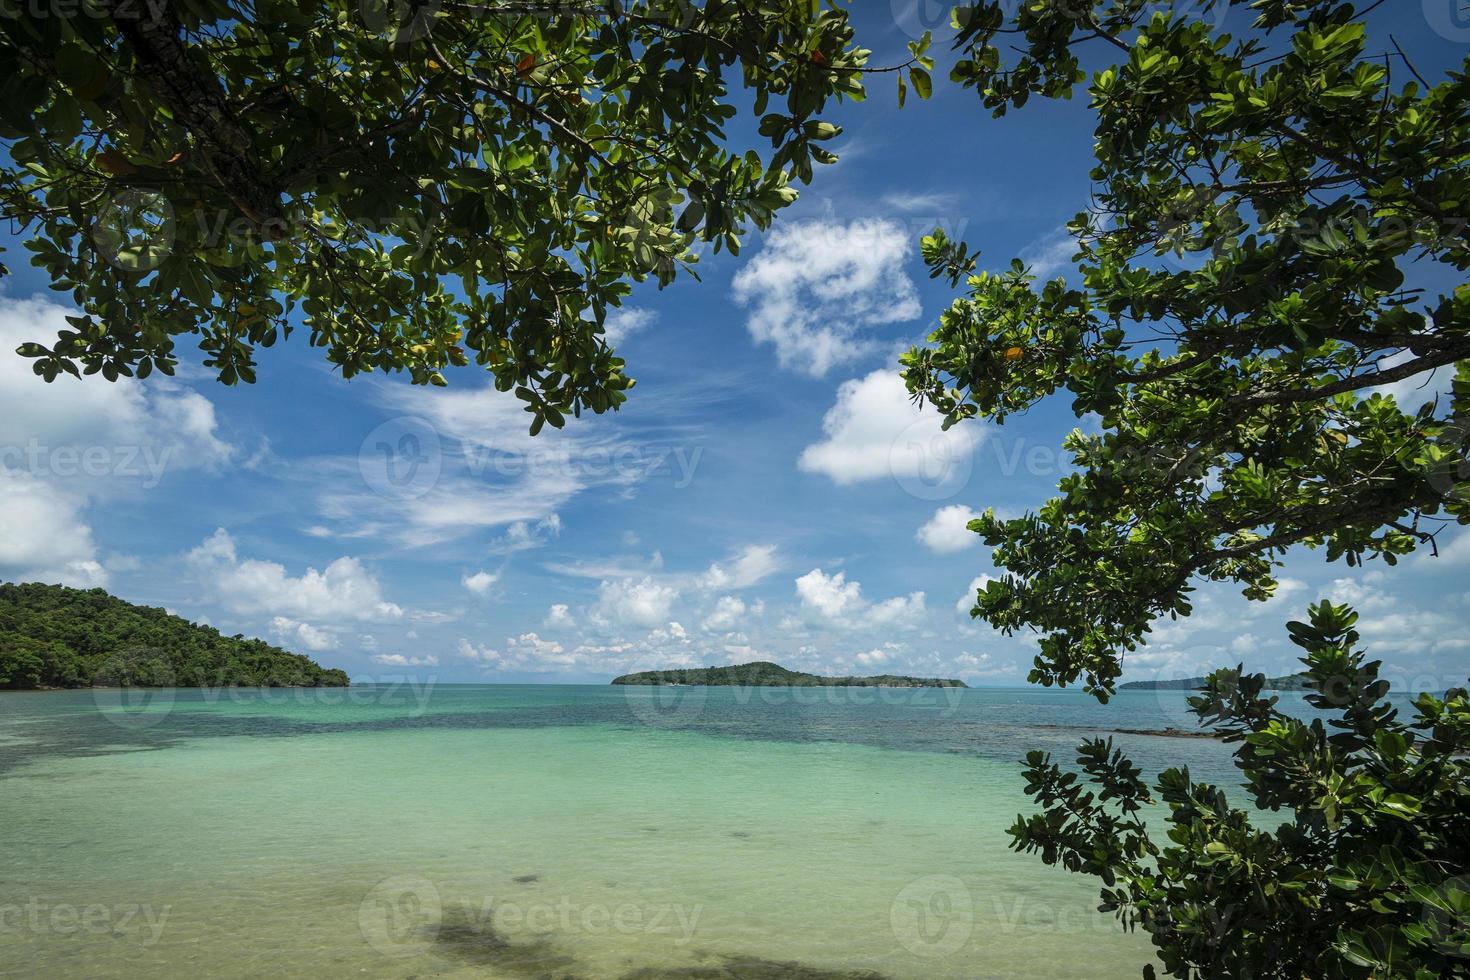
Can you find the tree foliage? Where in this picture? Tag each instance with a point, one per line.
(1368, 875)
(417, 185)
(1257, 200)
(53, 636)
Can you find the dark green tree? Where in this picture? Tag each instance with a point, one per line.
(1292, 175)
(1365, 871)
(416, 185)
(1289, 175)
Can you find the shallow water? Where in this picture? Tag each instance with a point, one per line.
(520, 832)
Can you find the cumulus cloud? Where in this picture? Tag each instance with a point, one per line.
(526, 652)
(726, 615)
(399, 660)
(815, 285)
(66, 445)
(480, 583)
(43, 537)
(629, 602)
(343, 590)
(874, 430)
(295, 633)
(483, 655)
(559, 616)
(947, 531)
(966, 602)
(143, 428)
(841, 603)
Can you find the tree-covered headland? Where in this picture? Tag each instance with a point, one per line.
(53, 636)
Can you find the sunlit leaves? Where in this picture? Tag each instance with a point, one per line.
(415, 191)
(1240, 307)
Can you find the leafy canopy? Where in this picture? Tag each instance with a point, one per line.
(417, 185)
(1366, 877)
(1257, 199)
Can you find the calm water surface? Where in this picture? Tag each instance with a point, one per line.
(550, 831)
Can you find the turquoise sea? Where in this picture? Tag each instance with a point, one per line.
(550, 831)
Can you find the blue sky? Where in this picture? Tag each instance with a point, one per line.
(767, 493)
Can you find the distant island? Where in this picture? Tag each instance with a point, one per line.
(1292, 682)
(763, 673)
(55, 637)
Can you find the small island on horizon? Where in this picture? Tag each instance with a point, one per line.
(763, 673)
(1292, 682)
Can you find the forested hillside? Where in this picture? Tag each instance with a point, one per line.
(53, 636)
(763, 673)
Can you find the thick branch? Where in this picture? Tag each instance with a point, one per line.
(196, 99)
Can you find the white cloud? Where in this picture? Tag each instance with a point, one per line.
(874, 430)
(479, 583)
(1413, 632)
(625, 321)
(470, 464)
(399, 660)
(293, 632)
(343, 590)
(527, 652)
(815, 285)
(66, 444)
(966, 602)
(1050, 255)
(753, 563)
(947, 532)
(1418, 390)
(533, 646)
(642, 602)
(841, 602)
(523, 534)
(932, 201)
(558, 616)
(726, 615)
(43, 537)
(144, 429)
(1361, 593)
(1245, 643)
(872, 658)
(830, 595)
(482, 655)
(1457, 552)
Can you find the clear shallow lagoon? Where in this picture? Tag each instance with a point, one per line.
(552, 831)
